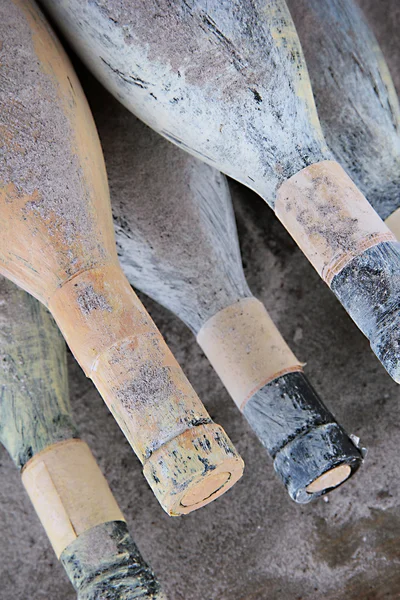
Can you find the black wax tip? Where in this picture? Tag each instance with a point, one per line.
(312, 454)
(300, 433)
(104, 562)
(285, 408)
(369, 289)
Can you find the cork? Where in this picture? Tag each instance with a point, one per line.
(328, 217)
(330, 479)
(202, 466)
(246, 349)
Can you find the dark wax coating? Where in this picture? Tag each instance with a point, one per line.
(120, 573)
(35, 414)
(371, 296)
(300, 433)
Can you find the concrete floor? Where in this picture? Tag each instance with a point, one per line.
(254, 543)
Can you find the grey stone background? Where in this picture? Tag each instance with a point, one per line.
(254, 543)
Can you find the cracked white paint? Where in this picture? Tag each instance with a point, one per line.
(226, 81)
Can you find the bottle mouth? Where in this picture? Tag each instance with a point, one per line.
(193, 469)
(330, 479)
(317, 461)
(206, 489)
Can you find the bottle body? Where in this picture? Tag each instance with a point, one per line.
(224, 87)
(356, 100)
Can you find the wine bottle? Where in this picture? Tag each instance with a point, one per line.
(69, 492)
(356, 99)
(227, 81)
(57, 242)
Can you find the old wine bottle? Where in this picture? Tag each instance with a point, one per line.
(57, 242)
(357, 103)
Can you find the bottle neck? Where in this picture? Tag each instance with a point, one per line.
(328, 217)
(119, 347)
(106, 558)
(246, 349)
(121, 350)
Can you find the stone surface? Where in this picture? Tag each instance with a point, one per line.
(254, 543)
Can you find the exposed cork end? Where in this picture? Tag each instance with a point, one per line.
(317, 462)
(312, 453)
(329, 480)
(193, 469)
(206, 488)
